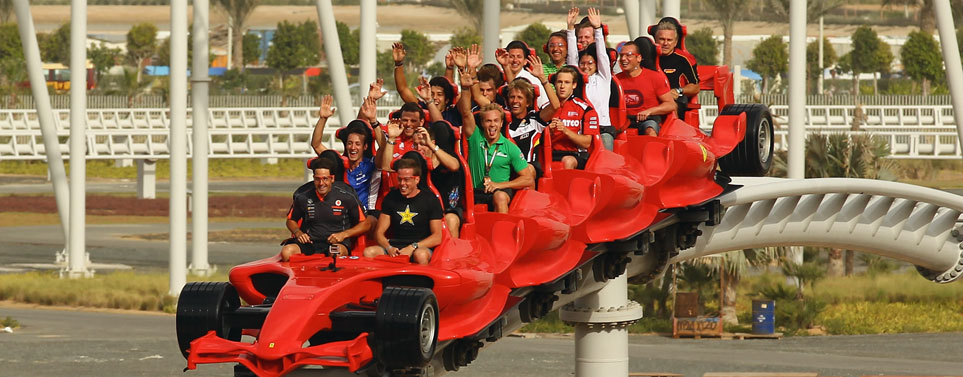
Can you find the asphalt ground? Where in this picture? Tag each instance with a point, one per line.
(59, 342)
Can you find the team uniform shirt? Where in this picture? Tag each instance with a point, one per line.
(679, 68)
(642, 92)
(410, 217)
(365, 182)
(598, 89)
(319, 217)
(542, 99)
(526, 133)
(499, 158)
(449, 113)
(578, 116)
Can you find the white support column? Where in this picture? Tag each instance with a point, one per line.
(646, 15)
(178, 147)
(146, 179)
(797, 88)
(38, 87)
(822, 68)
(951, 59)
(631, 8)
(601, 322)
(77, 258)
(797, 103)
(491, 30)
(368, 54)
(199, 116)
(332, 52)
(671, 8)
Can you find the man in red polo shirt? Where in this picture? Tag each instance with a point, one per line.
(646, 91)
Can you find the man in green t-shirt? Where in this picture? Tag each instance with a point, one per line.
(491, 156)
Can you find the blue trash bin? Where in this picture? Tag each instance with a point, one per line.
(763, 316)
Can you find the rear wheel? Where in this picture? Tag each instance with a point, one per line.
(201, 308)
(753, 156)
(406, 327)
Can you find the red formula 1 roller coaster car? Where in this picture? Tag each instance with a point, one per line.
(386, 316)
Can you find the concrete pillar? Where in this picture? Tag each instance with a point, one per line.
(951, 59)
(601, 322)
(76, 259)
(646, 16)
(368, 54)
(631, 8)
(199, 97)
(491, 27)
(332, 51)
(146, 179)
(671, 8)
(38, 87)
(178, 147)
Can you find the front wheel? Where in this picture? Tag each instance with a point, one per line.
(406, 327)
(201, 308)
(753, 156)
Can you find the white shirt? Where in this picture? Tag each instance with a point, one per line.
(599, 86)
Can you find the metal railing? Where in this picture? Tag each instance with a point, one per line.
(920, 131)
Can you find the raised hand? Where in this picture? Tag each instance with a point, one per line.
(474, 56)
(535, 63)
(374, 91)
(398, 52)
(459, 56)
(368, 109)
(449, 60)
(501, 56)
(572, 17)
(326, 111)
(595, 18)
(467, 76)
(424, 89)
(394, 129)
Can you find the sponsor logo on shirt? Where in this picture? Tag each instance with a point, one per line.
(573, 113)
(669, 70)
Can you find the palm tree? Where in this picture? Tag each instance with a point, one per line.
(237, 13)
(130, 86)
(727, 10)
(840, 155)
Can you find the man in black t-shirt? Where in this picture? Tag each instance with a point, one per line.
(323, 217)
(411, 218)
(678, 65)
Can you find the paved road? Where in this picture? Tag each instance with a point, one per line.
(79, 343)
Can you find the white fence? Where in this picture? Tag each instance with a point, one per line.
(917, 131)
(921, 131)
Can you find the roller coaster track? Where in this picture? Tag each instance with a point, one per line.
(901, 221)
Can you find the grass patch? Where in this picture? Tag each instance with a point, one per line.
(117, 290)
(31, 219)
(9, 322)
(233, 235)
(867, 304)
(217, 168)
(892, 317)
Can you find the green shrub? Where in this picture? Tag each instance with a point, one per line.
(9, 322)
(887, 318)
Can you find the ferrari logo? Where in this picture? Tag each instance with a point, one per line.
(407, 216)
(705, 153)
(271, 345)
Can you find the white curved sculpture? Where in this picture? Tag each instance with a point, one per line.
(906, 222)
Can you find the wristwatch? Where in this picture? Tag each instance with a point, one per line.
(414, 245)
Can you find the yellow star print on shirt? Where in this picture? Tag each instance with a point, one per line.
(407, 216)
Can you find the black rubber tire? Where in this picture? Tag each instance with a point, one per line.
(406, 327)
(201, 308)
(753, 156)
